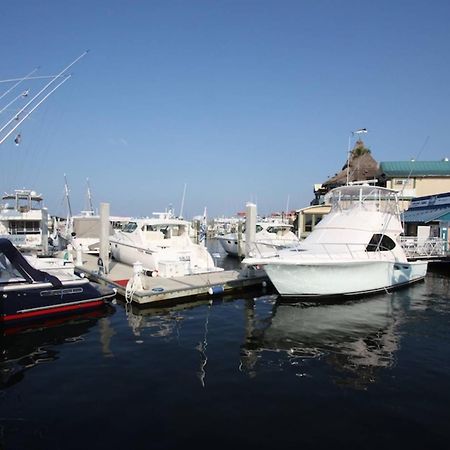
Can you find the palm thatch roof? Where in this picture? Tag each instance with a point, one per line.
(361, 166)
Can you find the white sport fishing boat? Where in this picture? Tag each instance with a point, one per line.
(269, 233)
(354, 250)
(163, 246)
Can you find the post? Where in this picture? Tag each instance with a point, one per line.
(240, 249)
(104, 237)
(250, 227)
(44, 231)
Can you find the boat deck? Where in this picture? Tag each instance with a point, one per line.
(164, 289)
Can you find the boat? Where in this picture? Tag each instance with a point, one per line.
(354, 250)
(274, 233)
(50, 287)
(82, 231)
(163, 245)
(21, 219)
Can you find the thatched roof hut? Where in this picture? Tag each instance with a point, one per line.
(361, 166)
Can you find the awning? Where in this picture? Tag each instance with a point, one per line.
(424, 215)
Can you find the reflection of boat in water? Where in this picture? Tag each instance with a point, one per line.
(22, 348)
(358, 337)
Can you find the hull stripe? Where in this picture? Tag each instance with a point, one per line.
(53, 310)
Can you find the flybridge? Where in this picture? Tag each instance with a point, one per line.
(15, 96)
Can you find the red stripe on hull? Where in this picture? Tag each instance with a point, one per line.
(47, 311)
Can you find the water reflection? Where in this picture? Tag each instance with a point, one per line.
(356, 338)
(24, 348)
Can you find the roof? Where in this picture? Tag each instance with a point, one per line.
(415, 168)
(360, 167)
(425, 215)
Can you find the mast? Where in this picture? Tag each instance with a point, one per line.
(89, 197)
(182, 201)
(66, 193)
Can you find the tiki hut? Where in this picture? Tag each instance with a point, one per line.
(361, 166)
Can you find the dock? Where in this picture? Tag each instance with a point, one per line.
(158, 289)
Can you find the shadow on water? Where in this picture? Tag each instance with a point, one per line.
(23, 348)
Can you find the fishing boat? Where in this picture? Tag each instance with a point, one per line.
(163, 245)
(354, 250)
(50, 287)
(21, 219)
(272, 233)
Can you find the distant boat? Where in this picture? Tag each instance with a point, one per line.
(21, 219)
(273, 233)
(50, 288)
(163, 245)
(354, 250)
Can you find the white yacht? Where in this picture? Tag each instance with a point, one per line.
(163, 246)
(21, 219)
(269, 233)
(354, 250)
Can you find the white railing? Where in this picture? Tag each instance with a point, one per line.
(423, 248)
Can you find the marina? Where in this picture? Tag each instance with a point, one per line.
(237, 261)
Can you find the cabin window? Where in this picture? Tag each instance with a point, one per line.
(129, 227)
(258, 228)
(380, 242)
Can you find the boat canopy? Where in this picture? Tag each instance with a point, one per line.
(371, 198)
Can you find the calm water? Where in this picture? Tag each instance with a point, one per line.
(247, 372)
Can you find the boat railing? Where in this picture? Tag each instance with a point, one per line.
(431, 247)
(333, 251)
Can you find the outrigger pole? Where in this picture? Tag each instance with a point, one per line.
(59, 75)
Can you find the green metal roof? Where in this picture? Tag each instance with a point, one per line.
(415, 168)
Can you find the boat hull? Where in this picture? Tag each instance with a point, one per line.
(337, 279)
(35, 302)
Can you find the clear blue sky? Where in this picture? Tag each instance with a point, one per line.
(241, 100)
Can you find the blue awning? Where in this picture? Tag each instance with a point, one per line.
(424, 215)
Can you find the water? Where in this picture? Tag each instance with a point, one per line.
(248, 372)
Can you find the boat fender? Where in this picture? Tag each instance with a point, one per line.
(214, 290)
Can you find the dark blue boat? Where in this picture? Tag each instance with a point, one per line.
(28, 293)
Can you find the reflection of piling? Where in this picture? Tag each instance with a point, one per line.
(44, 231)
(104, 238)
(250, 227)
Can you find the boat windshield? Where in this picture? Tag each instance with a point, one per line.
(369, 198)
(129, 227)
(8, 272)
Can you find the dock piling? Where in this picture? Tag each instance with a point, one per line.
(250, 227)
(104, 238)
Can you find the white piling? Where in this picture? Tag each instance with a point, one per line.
(250, 227)
(104, 237)
(44, 231)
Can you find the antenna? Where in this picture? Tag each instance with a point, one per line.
(66, 191)
(360, 131)
(89, 197)
(182, 201)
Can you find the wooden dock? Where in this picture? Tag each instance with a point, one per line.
(159, 289)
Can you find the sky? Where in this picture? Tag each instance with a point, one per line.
(236, 100)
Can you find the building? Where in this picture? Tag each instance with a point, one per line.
(308, 218)
(416, 178)
(431, 211)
